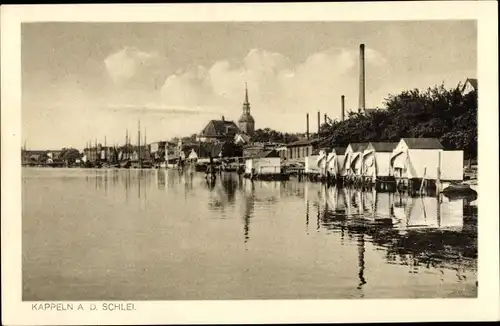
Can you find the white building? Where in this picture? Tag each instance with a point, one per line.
(264, 163)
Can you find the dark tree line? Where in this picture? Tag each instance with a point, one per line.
(441, 113)
(268, 135)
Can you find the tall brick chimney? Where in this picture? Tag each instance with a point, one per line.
(307, 125)
(319, 121)
(361, 77)
(342, 107)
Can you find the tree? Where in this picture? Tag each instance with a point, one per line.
(268, 135)
(69, 155)
(436, 112)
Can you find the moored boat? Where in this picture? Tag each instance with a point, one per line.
(459, 189)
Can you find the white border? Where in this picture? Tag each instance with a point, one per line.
(485, 307)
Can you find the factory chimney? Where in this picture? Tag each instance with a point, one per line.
(342, 107)
(307, 125)
(361, 77)
(319, 121)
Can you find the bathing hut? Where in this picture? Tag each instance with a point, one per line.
(335, 162)
(322, 162)
(353, 160)
(417, 159)
(377, 161)
(311, 165)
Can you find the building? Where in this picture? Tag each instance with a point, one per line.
(255, 148)
(246, 123)
(219, 131)
(264, 163)
(159, 149)
(420, 158)
(377, 159)
(242, 139)
(300, 149)
(469, 86)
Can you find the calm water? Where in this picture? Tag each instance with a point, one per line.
(159, 235)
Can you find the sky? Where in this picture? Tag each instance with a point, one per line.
(92, 81)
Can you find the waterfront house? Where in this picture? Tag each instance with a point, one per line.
(353, 159)
(377, 159)
(469, 86)
(262, 163)
(300, 149)
(255, 148)
(219, 131)
(158, 150)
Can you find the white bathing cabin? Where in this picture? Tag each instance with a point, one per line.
(377, 159)
(266, 162)
(335, 161)
(322, 161)
(353, 159)
(418, 158)
(311, 164)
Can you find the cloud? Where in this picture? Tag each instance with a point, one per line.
(132, 66)
(162, 109)
(188, 87)
(276, 85)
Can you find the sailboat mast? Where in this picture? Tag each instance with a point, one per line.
(145, 143)
(139, 140)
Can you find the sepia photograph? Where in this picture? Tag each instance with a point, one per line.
(234, 160)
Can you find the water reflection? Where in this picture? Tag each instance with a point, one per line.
(361, 260)
(248, 204)
(438, 232)
(235, 238)
(414, 231)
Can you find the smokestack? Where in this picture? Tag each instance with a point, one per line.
(319, 121)
(307, 125)
(342, 107)
(362, 77)
(325, 119)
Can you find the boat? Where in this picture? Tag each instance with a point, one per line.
(459, 189)
(125, 164)
(146, 165)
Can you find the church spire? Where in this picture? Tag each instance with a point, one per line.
(246, 103)
(246, 94)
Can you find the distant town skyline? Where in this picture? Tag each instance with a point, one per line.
(87, 81)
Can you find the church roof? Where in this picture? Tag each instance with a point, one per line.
(219, 128)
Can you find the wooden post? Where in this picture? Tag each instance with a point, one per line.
(423, 180)
(438, 181)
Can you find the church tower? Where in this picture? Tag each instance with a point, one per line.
(246, 123)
